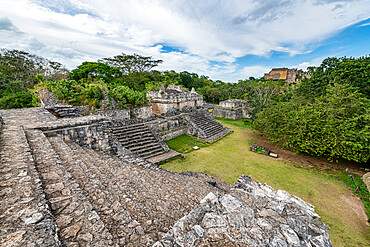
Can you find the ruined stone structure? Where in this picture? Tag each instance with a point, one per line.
(173, 97)
(71, 182)
(233, 103)
(289, 75)
(232, 109)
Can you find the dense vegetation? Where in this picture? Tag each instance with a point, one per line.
(328, 114)
(18, 70)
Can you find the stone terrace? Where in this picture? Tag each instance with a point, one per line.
(57, 193)
(89, 197)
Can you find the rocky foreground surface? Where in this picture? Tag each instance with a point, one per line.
(55, 192)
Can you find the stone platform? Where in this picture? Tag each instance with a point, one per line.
(56, 190)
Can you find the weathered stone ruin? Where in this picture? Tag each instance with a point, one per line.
(231, 109)
(173, 97)
(251, 214)
(289, 75)
(233, 103)
(79, 182)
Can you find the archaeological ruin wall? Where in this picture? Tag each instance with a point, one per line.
(231, 109)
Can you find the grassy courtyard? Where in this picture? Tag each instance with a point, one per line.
(230, 157)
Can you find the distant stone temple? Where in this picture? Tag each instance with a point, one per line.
(289, 75)
(173, 97)
(231, 109)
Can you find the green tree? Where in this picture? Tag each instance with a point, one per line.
(131, 63)
(262, 93)
(95, 70)
(18, 65)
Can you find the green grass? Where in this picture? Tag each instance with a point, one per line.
(230, 157)
(243, 123)
(184, 144)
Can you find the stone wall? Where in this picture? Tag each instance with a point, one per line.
(142, 112)
(117, 114)
(233, 103)
(164, 107)
(94, 132)
(168, 127)
(235, 114)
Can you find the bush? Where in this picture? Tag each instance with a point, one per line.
(20, 99)
(124, 95)
(93, 92)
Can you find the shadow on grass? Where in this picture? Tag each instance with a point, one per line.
(184, 144)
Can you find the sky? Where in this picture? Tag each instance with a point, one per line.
(224, 39)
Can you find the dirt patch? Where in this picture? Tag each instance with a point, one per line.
(357, 207)
(304, 160)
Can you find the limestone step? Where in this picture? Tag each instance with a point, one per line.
(163, 156)
(151, 153)
(131, 131)
(126, 127)
(79, 223)
(134, 135)
(138, 142)
(213, 131)
(144, 146)
(108, 207)
(25, 217)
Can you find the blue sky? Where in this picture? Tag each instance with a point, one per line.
(224, 39)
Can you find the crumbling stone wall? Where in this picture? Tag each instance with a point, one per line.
(117, 114)
(235, 114)
(233, 103)
(169, 127)
(94, 132)
(142, 112)
(231, 109)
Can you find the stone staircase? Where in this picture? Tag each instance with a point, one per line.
(25, 217)
(210, 128)
(76, 217)
(140, 140)
(154, 199)
(99, 200)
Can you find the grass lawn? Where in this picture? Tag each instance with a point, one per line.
(184, 144)
(230, 157)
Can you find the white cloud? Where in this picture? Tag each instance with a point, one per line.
(72, 31)
(365, 24)
(255, 71)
